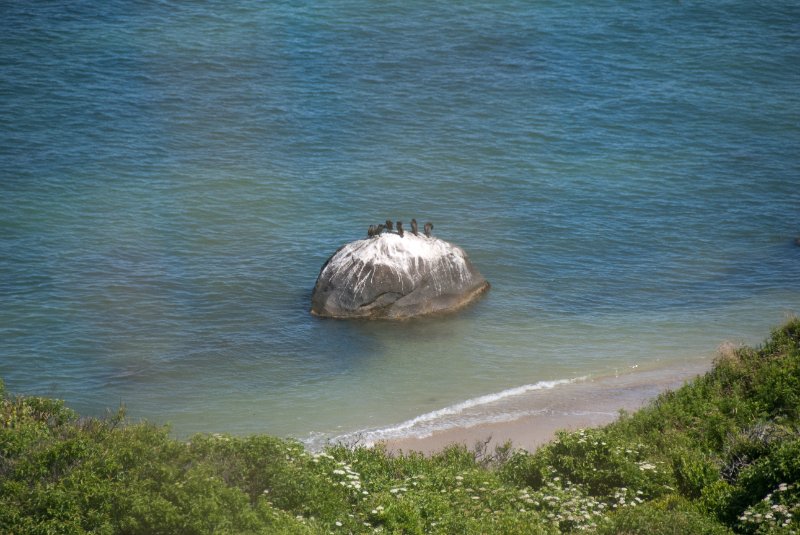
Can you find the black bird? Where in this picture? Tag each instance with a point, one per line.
(371, 231)
(379, 230)
(428, 229)
(414, 227)
(388, 225)
(400, 228)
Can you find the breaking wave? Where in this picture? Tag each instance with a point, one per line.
(474, 411)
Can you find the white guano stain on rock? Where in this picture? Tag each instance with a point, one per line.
(408, 257)
(393, 276)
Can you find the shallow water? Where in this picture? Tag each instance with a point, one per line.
(174, 176)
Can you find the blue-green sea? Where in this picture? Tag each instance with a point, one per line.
(174, 174)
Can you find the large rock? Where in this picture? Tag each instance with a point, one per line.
(387, 276)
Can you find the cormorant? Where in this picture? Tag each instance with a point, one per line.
(388, 225)
(428, 229)
(414, 227)
(400, 228)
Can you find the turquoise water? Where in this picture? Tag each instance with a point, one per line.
(174, 175)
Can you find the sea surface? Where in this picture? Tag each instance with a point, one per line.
(174, 174)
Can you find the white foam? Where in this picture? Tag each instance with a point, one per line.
(458, 415)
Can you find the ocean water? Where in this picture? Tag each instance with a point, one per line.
(173, 175)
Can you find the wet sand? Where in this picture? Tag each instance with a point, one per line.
(583, 404)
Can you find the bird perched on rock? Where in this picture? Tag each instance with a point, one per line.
(400, 228)
(414, 228)
(378, 230)
(371, 231)
(388, 224)
(428, 229)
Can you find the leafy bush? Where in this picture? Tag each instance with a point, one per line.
(671, 515)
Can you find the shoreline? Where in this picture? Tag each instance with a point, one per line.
(592, 402)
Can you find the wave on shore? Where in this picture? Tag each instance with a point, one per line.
(480, 410)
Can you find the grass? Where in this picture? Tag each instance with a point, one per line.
(720, 455)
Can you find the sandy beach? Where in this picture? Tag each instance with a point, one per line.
(588, 403)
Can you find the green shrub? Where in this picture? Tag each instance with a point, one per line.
(777, 473)
(751, 443)
(671, 515)
(694, 470)
(600, 459)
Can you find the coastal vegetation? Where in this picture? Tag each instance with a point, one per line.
(719, 455)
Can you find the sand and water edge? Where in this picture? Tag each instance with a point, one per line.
(539, 414)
